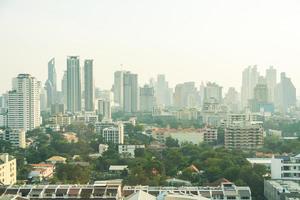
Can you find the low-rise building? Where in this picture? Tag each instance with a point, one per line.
(41, 171)
(286, 168)
(16, 137)
(103, 148)
(281, 190)
(71, 137)
(61, 119)
(56, 159)
(128, 151)
(260, 161)
(8, 169)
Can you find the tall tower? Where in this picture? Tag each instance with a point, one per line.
(146, 98)
(130, 92)
(249, 81)
(271, 79)
(73, 84)
(118, 88)
(51, 84)
(88, 85)
(24, 103)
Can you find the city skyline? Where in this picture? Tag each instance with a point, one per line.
(206, 39)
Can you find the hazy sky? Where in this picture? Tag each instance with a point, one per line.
(188, 40)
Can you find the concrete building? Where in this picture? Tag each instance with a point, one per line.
(244, 136)
(24, 103)
(104, 109)
(286, 168)
(271, 79)
(146, 99)
(213, 91)
(281, 190)
(186, 95)
(163, 94)
(89, 90)
(226, 190)
(16, 137)
(41, 171)
(64, 89)
(128, 151)
(61, 119)
(210, 135)
(86, 117)
(8, 169)
(113, 134)
(285, 94)
(130, 93)
(118, 88)
(73, 84)
(51, 83)
(249, 81)
(109, 190)
(231, 100)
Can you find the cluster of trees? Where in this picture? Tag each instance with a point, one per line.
(288, 128)
(273, 144)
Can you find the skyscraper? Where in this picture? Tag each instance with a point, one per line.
(88, 86)
(285, 93)
(249, 81)
(24, 103)
(186, 95)
(104, 109)
(73, 84)
(163, 94)
(271, 78)
(51, 84)
(146, 98)
(118, 88)
(130, 92)
(64, 88)
(231, 99)
(213, 90)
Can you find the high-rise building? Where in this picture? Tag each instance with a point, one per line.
(163, 94)
(104, 109)
(118, 88)
(51, 84)
(73, 84)
(88, 86)
(64, 88)
(271, 79)
(130, 92)
(186, 95)
(285, 93)
(146, 98)
(213, 91)
(249, 81)
(24, 103)
(231, 99)
(8, 169)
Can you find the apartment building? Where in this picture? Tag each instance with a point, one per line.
(210, 135)
(16, 137)
(113, 134)
(129, 150)
(286, 168)
(244, 135)
(8, 169)
(281, 190)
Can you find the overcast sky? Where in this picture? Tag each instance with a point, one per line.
(188, 40)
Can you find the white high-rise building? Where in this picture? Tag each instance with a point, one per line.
(89, 91)
(24, 103)
(213, 91)
(271, 79)
(130, 93)
(114, 134)
(146, 98)
(249, 81)
(118, 88)
(73, 84)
